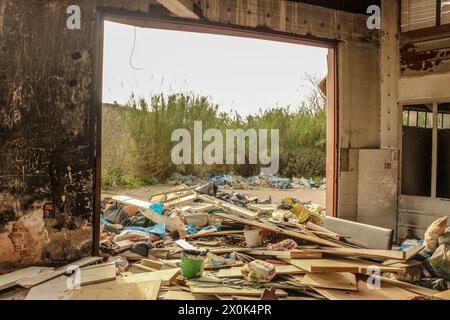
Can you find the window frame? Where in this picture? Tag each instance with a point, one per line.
(436, 127)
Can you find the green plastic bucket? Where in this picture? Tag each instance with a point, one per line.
(192, 264)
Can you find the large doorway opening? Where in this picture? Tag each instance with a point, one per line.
(157, 84)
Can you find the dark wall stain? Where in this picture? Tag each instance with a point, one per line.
(413, 59)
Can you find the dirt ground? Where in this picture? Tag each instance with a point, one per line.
(303, 194)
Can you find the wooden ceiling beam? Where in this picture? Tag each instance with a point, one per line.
(182, 8)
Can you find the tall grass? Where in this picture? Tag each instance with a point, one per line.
(150, 124)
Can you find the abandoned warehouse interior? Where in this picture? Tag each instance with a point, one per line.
(388, 110)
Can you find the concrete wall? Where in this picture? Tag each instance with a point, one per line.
(48, 108)
(359, 117)
(425, 77)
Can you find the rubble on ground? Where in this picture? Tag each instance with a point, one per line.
(194, 242)
(252, 182)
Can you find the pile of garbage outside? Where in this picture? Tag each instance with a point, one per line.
(252, 182)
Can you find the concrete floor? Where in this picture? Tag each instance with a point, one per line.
(302, 193)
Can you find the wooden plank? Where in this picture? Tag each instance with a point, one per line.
(408, 286)
(144, 268)
(152, 264)
(235, 272)
(231, 291)
(181, 200)
(292, 254)
(40, 278)
(315, 227)
(166, 276)
(96, 274)
(279, 230)
(340, 265)
(215, 234)
(54, 289)
(230, 250)
(444, 295)
(176, 295)
(181, 8)
(367, 253)
(338, 281)
(406, 264)
(386, 292)
(229, 206)
(10, 279)
(113, 290)
(411, 253)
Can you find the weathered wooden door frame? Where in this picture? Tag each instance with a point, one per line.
(171, 23)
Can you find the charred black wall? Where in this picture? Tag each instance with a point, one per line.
(48, 128)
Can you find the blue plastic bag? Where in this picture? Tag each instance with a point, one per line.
(157, 207)
(159, 229)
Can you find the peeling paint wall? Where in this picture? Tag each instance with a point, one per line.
(47, 109)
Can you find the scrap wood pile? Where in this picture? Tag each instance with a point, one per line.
(186, 244)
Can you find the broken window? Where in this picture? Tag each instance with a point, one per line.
(425, 152)
(417, 150)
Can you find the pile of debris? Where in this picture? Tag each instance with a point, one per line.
(252, 182)
(190, 244)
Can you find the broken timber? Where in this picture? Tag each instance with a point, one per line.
(279, 230)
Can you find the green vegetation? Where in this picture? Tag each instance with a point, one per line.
(145, 147)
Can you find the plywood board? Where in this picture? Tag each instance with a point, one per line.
(176, 295)
(367, 253)
(281, 270)
(386, 292)
(10, 279)
(152, 264)
(96, 274)
(166, 276)
(408, 286)
(340, 265)
(444, 295)
(43, 277)
(54, 289)
(339, 281)
(113, 290)
(231, 291)
(411, 253)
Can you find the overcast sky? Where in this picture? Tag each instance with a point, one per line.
(237, 73)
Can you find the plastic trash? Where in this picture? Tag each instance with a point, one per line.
(190, 229)
(434, 231)
(121, 263)
(287, 244)
(192, 263)
(410, 243)
(440, 260)
(259, 271)
(159, 229)
(157, 207)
